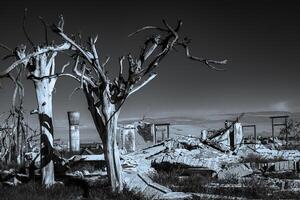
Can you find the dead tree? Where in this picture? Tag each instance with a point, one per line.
(13, 132)
(39, 63)
(8, 140)
(105, 97)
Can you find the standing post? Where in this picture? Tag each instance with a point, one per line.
(286, 132)
(74, 136)
(168, 131)
(255, 136)
(273, 130)
(153, 132)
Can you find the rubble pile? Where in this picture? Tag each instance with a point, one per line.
(196, 153)
(191, 152)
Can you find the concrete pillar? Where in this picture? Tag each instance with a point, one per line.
(128, 137)
(153, 133)
(238, 134)
(204, 135)
(74, 136)
(119, 137)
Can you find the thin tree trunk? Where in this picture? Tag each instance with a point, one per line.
(10, 150)
(19, 143)
(23, 138)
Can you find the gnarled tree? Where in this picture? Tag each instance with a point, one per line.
(39, 63)
(106, 96)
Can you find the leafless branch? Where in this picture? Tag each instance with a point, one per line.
(90, 57)
(8, 56)
(135, 89)
(95, 54)
(73, 92)
(45, 29)
(6, 48)
(62, 47)
(207, 62)
(24, 28)
(147, 28)
(56, 75)
(81, 75)
(121, 59)
(50, 64)
(64, 67)
(106, 61)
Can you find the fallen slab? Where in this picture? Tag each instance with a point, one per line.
(235, 170)
(143, 184)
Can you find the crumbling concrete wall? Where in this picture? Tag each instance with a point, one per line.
(231, 139)
(223, 140)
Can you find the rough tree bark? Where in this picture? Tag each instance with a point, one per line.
(43, 90)
(106, 121)
(44, 77)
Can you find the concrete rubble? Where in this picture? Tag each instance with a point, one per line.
(198, 153)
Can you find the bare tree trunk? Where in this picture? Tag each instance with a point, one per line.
(44, 66)
(18, 155)
(112, 156)
(23, 139)
(19, 144)
(44, 98)
(10, 151)
(107, 131)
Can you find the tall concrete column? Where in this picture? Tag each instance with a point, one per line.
(74, 136)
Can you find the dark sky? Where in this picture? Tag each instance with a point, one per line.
(261, 40)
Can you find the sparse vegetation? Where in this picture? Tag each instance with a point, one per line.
(176, 179)
(34, 191)
(253, 188)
